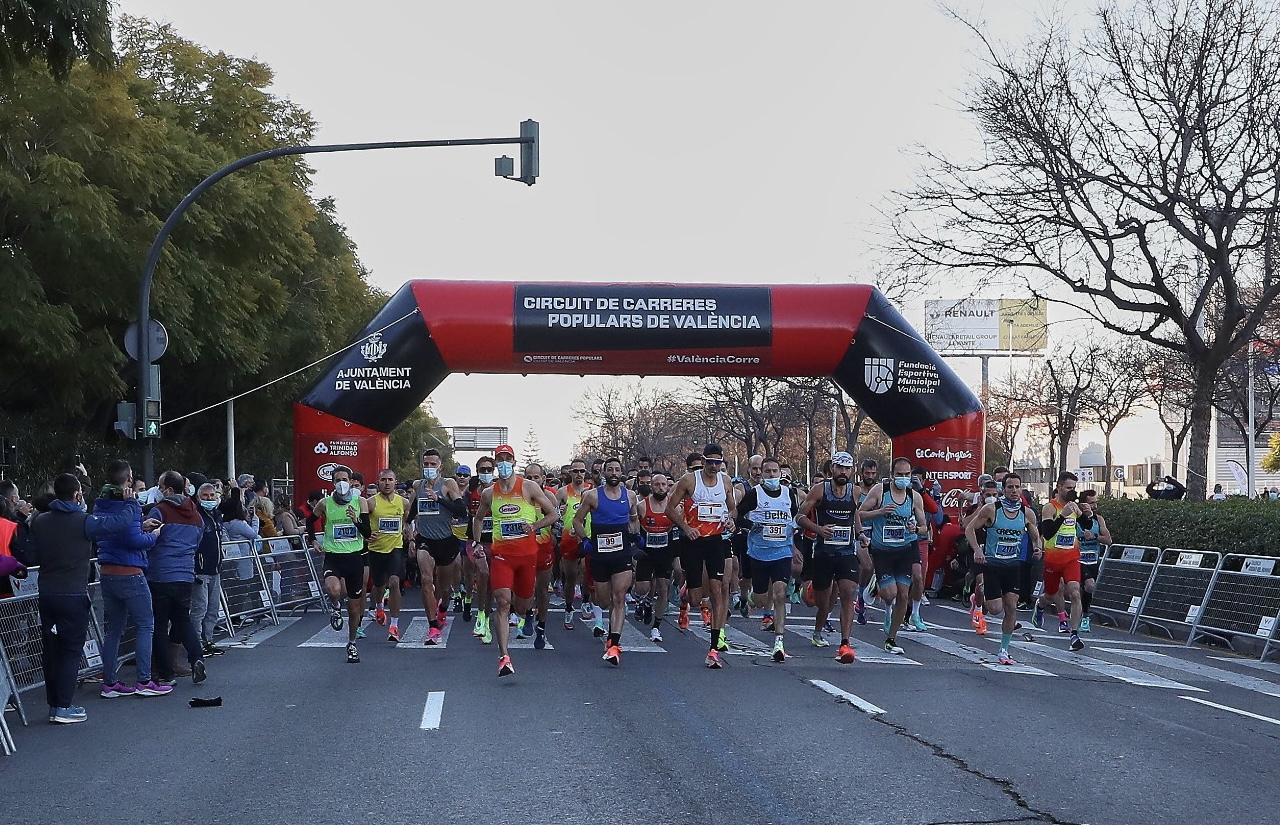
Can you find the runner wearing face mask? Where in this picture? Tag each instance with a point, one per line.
(613, 516)
(829, 510)
(1005, 522)
(344, 518)
(514, 507)
(890, 509)
(768, 516)
(1062, 559)
(480, 540)
(660, 537)
(437, 503)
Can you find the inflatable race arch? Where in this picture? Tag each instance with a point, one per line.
(429, 329)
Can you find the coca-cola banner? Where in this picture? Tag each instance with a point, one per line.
(951, 453)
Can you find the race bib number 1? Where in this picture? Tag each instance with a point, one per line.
(710, 512)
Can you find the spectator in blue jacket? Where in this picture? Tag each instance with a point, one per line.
(206, 596)
(171, 573)
(122, 563)
(62, 544)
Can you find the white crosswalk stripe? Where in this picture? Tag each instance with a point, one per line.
(1239, 680)
(974, 655)
(867, 652)
(1121, 672)
(414, 636)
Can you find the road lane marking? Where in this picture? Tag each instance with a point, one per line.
(1121, 672)
(1257, 716)
(414, 636)
(852, 698)
(247, 638)
(867, 652)
(1217, 674)
(971, 654)
(431, 713)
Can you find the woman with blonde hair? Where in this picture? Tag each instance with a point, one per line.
(266, 514)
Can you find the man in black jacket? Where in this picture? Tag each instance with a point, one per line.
(62, 544)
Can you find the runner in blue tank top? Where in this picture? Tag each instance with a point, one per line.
(1006, 520)
(891, 509)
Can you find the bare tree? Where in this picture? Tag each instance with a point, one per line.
(1110, 158)
(1116, 392)
(1169, 388)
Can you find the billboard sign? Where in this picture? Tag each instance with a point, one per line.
(991, 324)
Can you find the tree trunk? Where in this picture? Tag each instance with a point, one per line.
(1106, 438)
(1198, 454)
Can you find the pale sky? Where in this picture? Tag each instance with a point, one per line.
(708, 142)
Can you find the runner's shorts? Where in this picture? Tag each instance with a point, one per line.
(894, 564)
(443, 551)
(382, 566)
(513, 572)
(765, 573)
(827, 569)
(708, 551)
(999, 578)
(1058, 570)
(350, 568)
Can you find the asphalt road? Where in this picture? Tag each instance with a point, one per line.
(415, 734)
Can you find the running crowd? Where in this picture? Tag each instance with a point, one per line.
(493, 547)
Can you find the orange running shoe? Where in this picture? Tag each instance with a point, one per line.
(706, 615)
(613, 655)
(683, 621)
(380, 615)
(981, 626)
(845, 655)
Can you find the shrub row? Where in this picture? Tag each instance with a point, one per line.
(1236, 525)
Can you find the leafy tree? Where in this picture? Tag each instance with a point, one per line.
(1116, 393)
(1111, 159)
(258, 280)
(57, 31)
(415, 434)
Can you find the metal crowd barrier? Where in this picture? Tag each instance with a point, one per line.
(1124, 577)
(1178, 589)
(245, 591)
(1243, 600)
(291, 578)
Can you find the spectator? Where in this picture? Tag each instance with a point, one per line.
(206, 595)
(265, 514)
(122, 561)
(236, 518)
(14, 513)
(1273, 494)
(287, 522)
(245, 482)
(62, 544)
(1218, 495)
(171, 573)
(1169, 489)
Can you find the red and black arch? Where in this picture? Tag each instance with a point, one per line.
(430, 329)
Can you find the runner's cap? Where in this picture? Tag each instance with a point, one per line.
(505, 448)
(463, 470)
(843, 459)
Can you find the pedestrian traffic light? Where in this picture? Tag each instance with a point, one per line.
(127, 419)
(151, 410)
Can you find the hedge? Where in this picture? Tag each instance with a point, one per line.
(1236, 525)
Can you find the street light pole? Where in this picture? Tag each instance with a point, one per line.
(528, 140)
